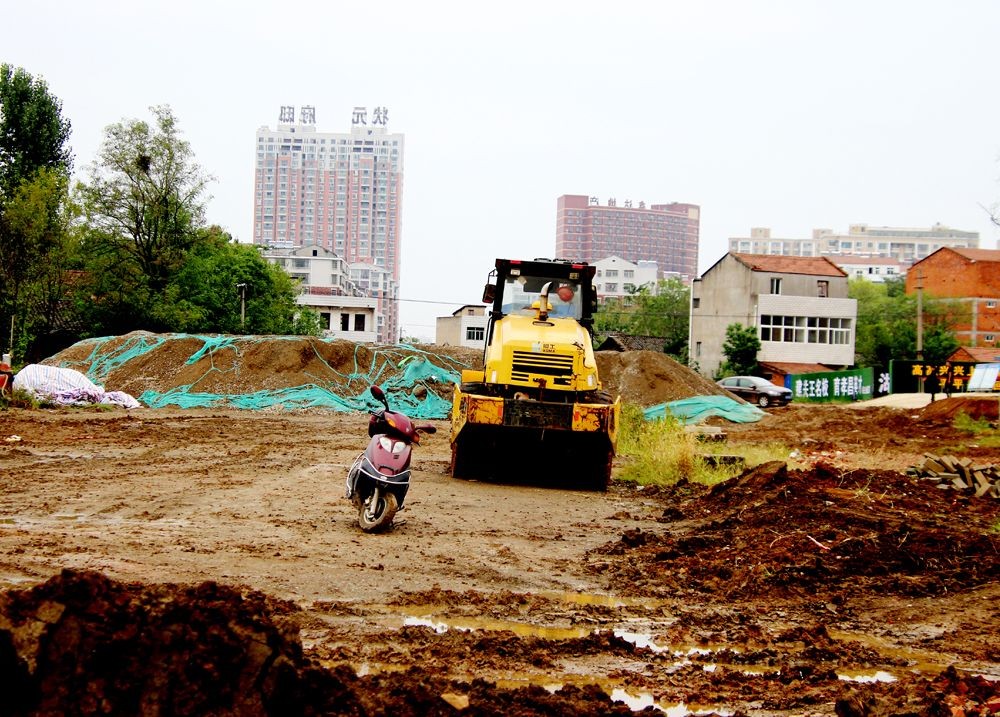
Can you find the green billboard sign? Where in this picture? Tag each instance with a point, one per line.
(853, 385)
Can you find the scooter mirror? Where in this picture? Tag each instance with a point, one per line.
(379, 395)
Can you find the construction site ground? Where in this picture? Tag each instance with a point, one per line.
(206, 562)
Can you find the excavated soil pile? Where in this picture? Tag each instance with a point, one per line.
(81, 643)
(647, 378)
(825, 534)
(975, 407)
(246, 365)
(862, 437)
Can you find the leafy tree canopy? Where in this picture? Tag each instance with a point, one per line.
(664, 314)
(740, 349)
(35, 162)
(33, 133)
(145, 200)
(887, 324)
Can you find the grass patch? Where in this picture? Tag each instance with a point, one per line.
(984, 431)
(662, 452)
(18, 398)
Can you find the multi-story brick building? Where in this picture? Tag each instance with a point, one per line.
(904, 245)
(970, 277)
(339, 191)
(664, 233)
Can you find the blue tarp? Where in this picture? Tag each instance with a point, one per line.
(697, 409)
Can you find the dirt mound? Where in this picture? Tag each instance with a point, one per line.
(241, 365)
(648, 378)
(822, 533)
(975, 407)
(238, 365)
(81, 643)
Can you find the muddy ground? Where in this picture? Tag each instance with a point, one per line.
(205, 562)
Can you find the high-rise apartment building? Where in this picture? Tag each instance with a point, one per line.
(338, 190)
(905, 245)
(664, 233)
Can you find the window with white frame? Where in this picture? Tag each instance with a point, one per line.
(474, 333)
(805, 329)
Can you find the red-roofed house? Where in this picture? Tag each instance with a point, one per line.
(798, 305)
(970, 276)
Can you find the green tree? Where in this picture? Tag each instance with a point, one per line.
(740, 349)
(886, 326)
(665, 314)
(35, 163)
(307, 323)
(886, 323)
(40, 213)
(206, 293)
(33, 132)
(145, 200)
(217, 286)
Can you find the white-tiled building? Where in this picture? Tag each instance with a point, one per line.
(465, 327)
(326, 286)
(872, 268)
(906, 245)
(617, 279)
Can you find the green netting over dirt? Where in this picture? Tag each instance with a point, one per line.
(699, 408)
(257, 372)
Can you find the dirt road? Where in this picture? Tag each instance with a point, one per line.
(802, 592)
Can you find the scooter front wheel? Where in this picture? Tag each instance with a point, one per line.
(376, 513)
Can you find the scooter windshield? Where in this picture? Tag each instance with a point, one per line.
(400, 425)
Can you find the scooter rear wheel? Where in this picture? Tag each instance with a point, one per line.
(373, 519)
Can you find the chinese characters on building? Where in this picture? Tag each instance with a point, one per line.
(307, 115)
(380, 116)
(612, 202)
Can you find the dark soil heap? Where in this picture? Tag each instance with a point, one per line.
(823, 533)
(83, 644)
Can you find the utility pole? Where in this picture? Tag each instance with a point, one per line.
(243, 305)
(920, 314)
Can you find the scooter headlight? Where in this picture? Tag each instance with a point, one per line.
(391, 446)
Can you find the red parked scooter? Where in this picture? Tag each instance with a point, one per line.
(380, 477)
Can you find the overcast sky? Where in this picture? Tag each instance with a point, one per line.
(791, 115)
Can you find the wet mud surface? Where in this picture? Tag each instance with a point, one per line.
(201, 562)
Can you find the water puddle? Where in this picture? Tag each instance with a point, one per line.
(859, 676)
(580, 598)
(643, 700)
(917, 660)
(518, 628)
